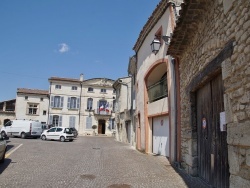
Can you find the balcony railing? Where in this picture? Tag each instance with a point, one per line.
(102, 112)
(158, 90)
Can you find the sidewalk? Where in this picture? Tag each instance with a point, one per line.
(192, 182)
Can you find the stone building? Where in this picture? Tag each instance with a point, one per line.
(32, 104)
(211, 46)
(81, 104)
(124, 127)
(7, 111)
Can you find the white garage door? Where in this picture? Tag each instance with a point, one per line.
(161, 135)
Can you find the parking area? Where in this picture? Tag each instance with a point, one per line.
(85, 162)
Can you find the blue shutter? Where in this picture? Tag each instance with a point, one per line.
(68, 105)
(78, 103)
(110, 124)
(51, 101)
(61, 104)
(70, 120)
(73, 121)
(50, 120)
(91, 104)
(60, 121)
(97, 110)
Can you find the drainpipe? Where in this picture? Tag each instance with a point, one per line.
(79, 117)
(49, 103)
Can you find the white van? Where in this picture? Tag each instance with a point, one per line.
(22, 128)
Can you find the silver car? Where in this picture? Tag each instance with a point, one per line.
(3, 147)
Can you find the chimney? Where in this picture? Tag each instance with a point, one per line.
(81, 77)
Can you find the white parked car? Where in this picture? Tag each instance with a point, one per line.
(3, 147)
(58, 133)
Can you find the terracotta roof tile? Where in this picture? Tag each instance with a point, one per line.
(32, 91)
(64, 79)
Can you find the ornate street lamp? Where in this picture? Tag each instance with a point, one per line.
(155, 45)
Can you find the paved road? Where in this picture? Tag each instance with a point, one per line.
(95, 162)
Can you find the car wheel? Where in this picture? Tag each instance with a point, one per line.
(23, 135)
(62, 139)
(43, 137)
(2, 160)
(71, 140)
(3, 134)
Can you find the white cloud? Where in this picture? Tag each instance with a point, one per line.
(63, 48)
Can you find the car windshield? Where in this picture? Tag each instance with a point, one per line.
(67, 130)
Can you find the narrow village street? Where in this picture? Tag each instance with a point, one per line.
(97, 162)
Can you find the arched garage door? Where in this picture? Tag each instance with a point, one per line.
(161, 135)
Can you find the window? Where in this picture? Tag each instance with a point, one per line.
(26, 97)
(102, 107)
(90, 89)
(73, 103)
(52, 130)
(88, 122)
(58, 86)
(55, 120)
(158, 90)
(90, 104)
(32, 109)
(56, 102)
(72, 120)
(74, 88)
(44, 112)
(103, 90)
(111, 124)
(59, 129)
(41, 99)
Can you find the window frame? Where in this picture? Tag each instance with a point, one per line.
(74, 88)
(31, 108)
(89, 103)
(91, 89)
(57, 86)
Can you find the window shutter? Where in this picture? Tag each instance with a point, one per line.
(51, 101)
(50, 119)
(73, 121)
(78, 103)
(70, 120)
(91, 104)
(61, 104)
(97, 110)
(110, 124)
(60, 121)
(68, 106)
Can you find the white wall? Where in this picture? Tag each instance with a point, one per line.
(22, 106)
(145, 58)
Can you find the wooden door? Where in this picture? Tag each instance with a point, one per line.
(212, 143)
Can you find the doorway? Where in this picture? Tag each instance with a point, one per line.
(212, 140)
(101, 126)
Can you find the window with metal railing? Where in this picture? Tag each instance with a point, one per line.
(158, 90)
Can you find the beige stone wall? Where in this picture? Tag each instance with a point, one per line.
(220, 24)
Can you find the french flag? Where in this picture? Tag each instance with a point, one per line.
(101, 108)
(107, 107)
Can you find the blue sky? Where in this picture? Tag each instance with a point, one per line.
(64, 38)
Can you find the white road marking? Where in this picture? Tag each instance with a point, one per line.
(11, 151)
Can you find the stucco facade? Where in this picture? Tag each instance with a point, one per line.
(32, 104)
(124, 127)
(214, 40)
(82, 103)
(155, 87)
